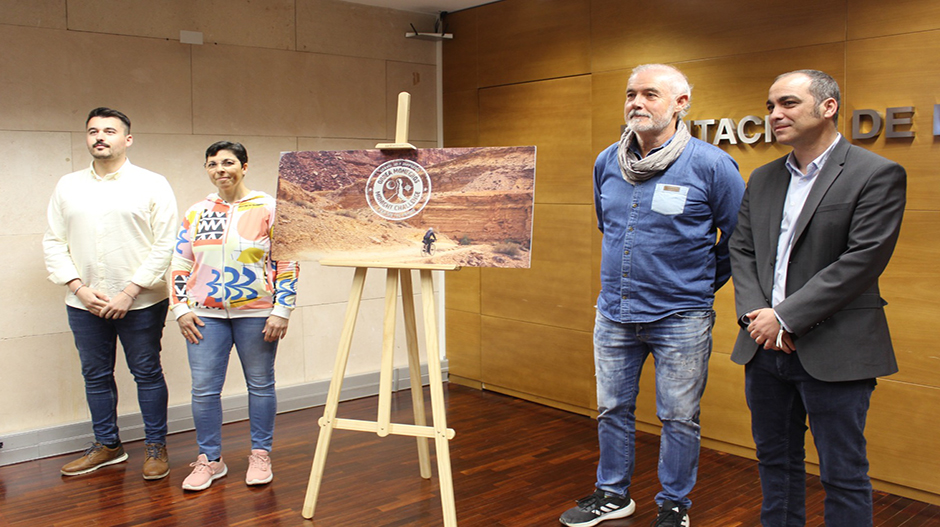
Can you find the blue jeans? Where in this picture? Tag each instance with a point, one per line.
(681, 345)
(96, 340)
(208, 362)
(780, 395)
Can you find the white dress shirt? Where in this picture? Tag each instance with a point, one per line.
(800, 186)
(110, 231)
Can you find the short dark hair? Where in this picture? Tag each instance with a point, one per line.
(108, 112)
(236, 148)
(821, 86)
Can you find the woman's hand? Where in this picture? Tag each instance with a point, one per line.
(275, 328)
(188, 327)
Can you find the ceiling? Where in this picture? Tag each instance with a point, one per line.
(424, 6)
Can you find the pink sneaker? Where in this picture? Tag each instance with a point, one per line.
(259, 468)
(204, 473)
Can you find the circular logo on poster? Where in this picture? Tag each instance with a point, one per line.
(398, 189)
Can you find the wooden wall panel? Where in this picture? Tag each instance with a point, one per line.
(608, 93)
(903, 435)
(463, 344)
(461, 59)
(528, 40)
(725, 415)
(461, 120)
(553, 115)
(463, 290)
(557, 290)
(900, 70)
(726, 326)
(910, 286)
(873, 18)
(629, 33)
(547, 362)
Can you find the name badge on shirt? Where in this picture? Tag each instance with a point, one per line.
(669, 199)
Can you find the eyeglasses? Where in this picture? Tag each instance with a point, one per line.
(226, 163)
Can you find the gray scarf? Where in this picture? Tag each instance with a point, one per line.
(636, 170)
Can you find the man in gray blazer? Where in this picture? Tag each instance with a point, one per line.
(815, 231)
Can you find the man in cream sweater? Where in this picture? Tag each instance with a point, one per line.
(110, 238)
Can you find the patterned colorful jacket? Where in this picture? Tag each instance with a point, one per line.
(222, 266)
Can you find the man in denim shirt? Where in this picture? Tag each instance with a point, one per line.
(662, 198)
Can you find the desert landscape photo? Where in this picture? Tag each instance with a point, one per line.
(377, 206)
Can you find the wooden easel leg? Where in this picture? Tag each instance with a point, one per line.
(327, 422)
(388, 352)
(414, 367)
(441, 442)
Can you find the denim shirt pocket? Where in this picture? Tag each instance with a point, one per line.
(669, 199)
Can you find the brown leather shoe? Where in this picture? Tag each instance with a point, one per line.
(156, 465)
(95, 457)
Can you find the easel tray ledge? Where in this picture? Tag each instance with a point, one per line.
(389, 265)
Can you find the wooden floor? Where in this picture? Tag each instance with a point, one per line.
(515, 464)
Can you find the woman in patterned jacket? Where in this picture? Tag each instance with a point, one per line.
(226, 289)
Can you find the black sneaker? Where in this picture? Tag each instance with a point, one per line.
(672, 515)
(598, 507)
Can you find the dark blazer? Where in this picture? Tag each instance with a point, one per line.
(843, 240)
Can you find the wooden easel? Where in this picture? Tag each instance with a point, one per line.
(383, 426)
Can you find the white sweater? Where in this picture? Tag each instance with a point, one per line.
(112, 230)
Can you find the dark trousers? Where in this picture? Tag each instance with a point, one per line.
(96, 339)
(781, 395)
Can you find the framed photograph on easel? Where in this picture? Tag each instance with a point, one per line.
(471, 207)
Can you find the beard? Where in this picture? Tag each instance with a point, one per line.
(652, 124)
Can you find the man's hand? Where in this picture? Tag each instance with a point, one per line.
(188, 327)
(92, 299)
(275, 328)
(118, 306)
(764, 329)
